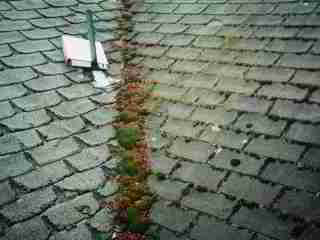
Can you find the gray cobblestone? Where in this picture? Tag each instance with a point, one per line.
(73, 108)
(307, 78)
(73, 211)
(9, 25)
(257, 58)
(211, 203)
(11, 76)
(24, 60)
(276, 32)
(177, 110)
(223, 9)
(53, 68)
(47, 83)
(4, 6)
(97, 136)
(6, 110)
(37, 101)
(89, 157)
(33, 46)
(48, 22)
(299, 61)
(9, 37)
(264, 74)
(171, 217)
(55, 56)
(43, 176)
(13, 91)
(218, 116)
(196, 151)
(311, 158)
(304, 133)
(105, 98)
(277, 90)
(78, 91)
(208, 227)
(54, 150)
(200, 175)
(55, 12)
(81, 232)
(289, 46)
(37, 34)
(181, 128)
(5, 51)
(61, 3)
(162, 164)
(237, 86)
(7, 193)
(246, 164)
(178, 40)
(13, 165)
(29, 205)
(29, 4)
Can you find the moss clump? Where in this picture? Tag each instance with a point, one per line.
(127, 137)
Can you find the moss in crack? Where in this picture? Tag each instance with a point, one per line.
(127, 137)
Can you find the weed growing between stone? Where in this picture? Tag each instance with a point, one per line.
(134, 200)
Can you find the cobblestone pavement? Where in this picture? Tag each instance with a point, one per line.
(235, 123)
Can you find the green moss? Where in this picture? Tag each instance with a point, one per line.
(127, 137)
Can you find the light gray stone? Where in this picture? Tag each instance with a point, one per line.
(97, 136)
(73, 108)
(16, 75)
(48, 83)
(13, 91)
(7, 194)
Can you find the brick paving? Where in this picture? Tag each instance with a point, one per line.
(234, 125)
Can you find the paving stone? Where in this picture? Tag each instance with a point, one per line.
(211, 98)
(289, 175)
(250, 189)
(165, 234)
(232, 72)
(289, 46)
(190, 8)
(300, 204)
(219, 55)
(22, 121)
(24, 60)
(37, 101)
(167, 189)
(73, 108)
(210, 203)
(54, 150)
(181, 128)
(4, 6)
(110, 188)
(158, 63)
(78, 91)
(208, 227)
(233, 31)
(81, 232)
(61, 3)
(62, 128)
(278, 90)
(237, 85)
(43, 176)
(196, 151)
(183, 53)
(38, 34)
(12, 91)
(263, 74)
(245, 44)
(19, 75)
(247, 104)
(312, 233)
(145, 27)
(84, 181)
(5, 51)
(275, 148)
(298, 111)
(245, 164)
(171, 217)
(33, 46)
(97, 136)
(178, 40)
(163, 8)
(13, 165)
(200, 175)
(168, 92)
(93, 7)
(48, 22)
(258, 123)
(148, 38)
(257, 58)
(47, 83)
(73, 211)
(224, 137)
(195, 19)
(260, 220)
(89, 157)
(7, 193)
(29, 205)
(222, 9)
(299, 61)
(105, 98)
(218, 116)
(294, 8)
(155, 51)
(55, 12)
(6, 110)
(208, 42)
(29, 4)
(9, 37)
(29, 230)
(172, 28)
(9, 26)
(307, 78)
(157, 141)
(53, 68)
(188, 66)
(276, 32)
(311, 158)
(304, 133)
(102, 221)
(161, 163)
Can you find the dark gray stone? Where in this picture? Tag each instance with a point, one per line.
(7, 194)
(24, 60)
(208, 227)
(210, 203)
(200, 175)
(101, 116)
(312, 158)
(29, 230)
(167, 189)
(275, 148)
(25, 120)
(13, 165)
(247, 164)
(62, 128)
(54, 150)
(38, 101)
(73, 211)
(19, 75)
(306, 133)
(81, 232)
(97, 136)
(43, 176)
(73, 108)
(29, 205)
(89, 157)
(260, 220)
(250, 189)
(33, 46)
(102, 221)
(171, 217)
